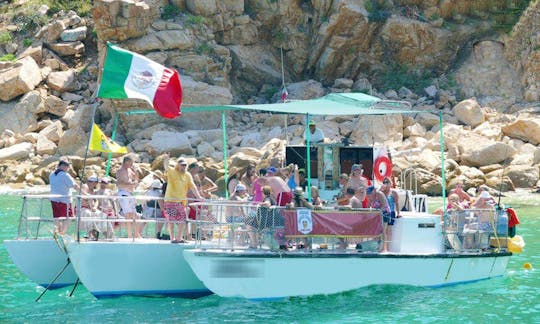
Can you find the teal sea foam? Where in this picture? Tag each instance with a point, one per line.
(514, 297)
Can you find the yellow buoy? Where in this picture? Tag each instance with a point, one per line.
(527, 266)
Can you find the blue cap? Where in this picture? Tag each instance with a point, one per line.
(370, 189)
(271, 169)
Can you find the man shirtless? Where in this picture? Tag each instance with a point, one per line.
(127, 180)
(281, 191)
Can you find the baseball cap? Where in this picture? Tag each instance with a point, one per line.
(485, 195)
(63, 162)
(271, 170)
(312, 122)
(370, 189)
(157, 184)
(357, 167)
(240, 187)
(182, 161)
(92, 178)
(104, 180)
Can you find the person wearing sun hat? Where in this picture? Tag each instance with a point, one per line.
(107, 207)
(484, 200)
(357, 178)
(89, 207)
(236, 213)
(153, 207)
(316, 134)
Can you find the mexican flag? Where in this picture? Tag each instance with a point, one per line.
(131, 75)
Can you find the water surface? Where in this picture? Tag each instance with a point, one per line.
(512, 298)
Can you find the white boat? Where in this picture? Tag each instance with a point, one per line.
(148, 266)
(420, 253)
(36, 252)
(135, 267)
(41, 260)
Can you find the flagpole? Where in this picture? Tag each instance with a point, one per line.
(113, 136)
(94, 107)
(308, 158)
(283, 99)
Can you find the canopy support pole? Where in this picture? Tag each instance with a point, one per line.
(283, 100)
(443, 168)
(308, 158)
(113, 137)
(225, 166)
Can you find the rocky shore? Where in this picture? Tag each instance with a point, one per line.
(487, 87)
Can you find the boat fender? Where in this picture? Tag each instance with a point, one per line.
(527, 266)
(516, 244)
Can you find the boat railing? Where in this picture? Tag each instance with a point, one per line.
(409, 184)
(92, 214)
(36, 220)
(247, 225)
(475, 229)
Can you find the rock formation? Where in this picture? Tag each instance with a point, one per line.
(446, 57)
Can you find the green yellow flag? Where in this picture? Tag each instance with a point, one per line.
(101, 143)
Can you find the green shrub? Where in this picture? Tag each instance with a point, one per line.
(434, 17)
(194, 20)
(27, 42)
(5, 37)
(448, 82)
(8, 58)
(29, 23)
(369, 6)
(279, 36)
(169, 12)
(398, 76)
(204, 48)
(269, 93)
(81, 7)
(379, 16)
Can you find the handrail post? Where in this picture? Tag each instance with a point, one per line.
(23, 215)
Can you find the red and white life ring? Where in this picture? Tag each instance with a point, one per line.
(383, 168)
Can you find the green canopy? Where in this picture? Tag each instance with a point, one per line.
(334, 104)
(331, 104)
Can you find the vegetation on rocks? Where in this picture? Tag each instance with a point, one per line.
(476, 62)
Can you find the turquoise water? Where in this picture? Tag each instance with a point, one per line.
(512, 298)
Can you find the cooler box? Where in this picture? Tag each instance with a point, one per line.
(414, 233)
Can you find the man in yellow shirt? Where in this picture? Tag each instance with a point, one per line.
(178, 183)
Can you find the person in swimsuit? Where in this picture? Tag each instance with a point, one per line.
(127, 180)
(377, 200)
(280, 189)
(392, 198)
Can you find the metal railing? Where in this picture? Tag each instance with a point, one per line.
(475, 229)
(36, 218)
(237, 225)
